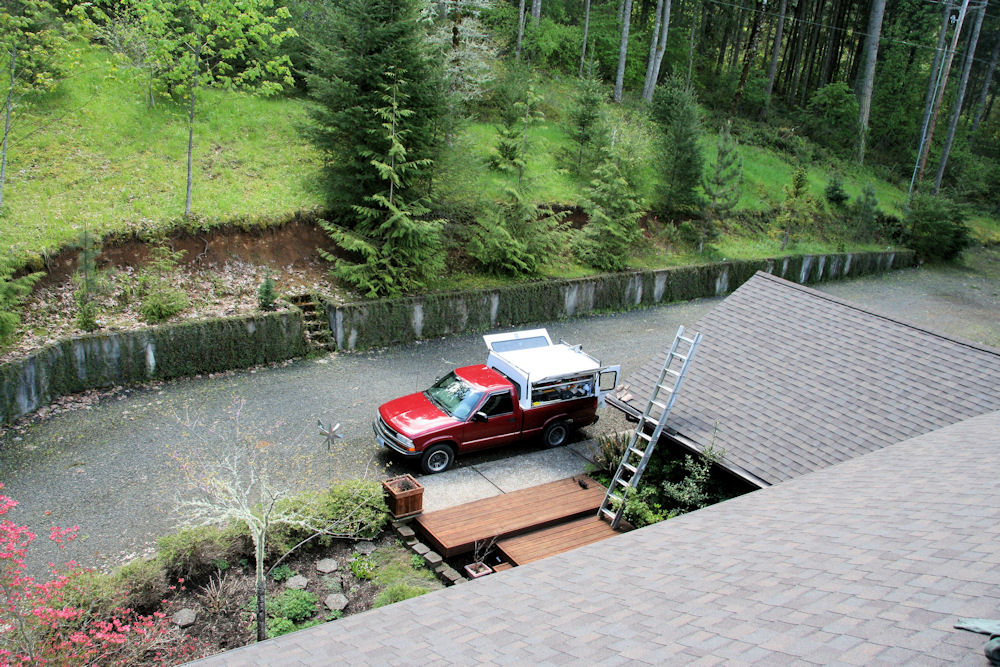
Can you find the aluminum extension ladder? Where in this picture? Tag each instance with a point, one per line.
(641, 444)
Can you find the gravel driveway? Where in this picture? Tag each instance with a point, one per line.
(113, 468)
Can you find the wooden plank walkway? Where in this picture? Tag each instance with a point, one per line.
(455, 530)
(547, 542)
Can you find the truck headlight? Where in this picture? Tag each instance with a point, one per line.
(406, 442)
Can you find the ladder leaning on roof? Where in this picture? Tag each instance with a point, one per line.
(641, 444)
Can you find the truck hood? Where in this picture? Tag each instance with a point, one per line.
(414, 415)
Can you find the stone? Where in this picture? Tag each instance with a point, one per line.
(421, 548)
(365, 548)
(450, 574)
(326, 566)
(298, 582)
(405, 531)
(433, 558)
(336, 602)
(184, 618)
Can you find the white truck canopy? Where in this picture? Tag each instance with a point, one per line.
(530, 358)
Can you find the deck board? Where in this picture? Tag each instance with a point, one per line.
(554, 540)
(455, 530)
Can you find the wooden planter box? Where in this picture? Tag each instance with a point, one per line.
(404, 495)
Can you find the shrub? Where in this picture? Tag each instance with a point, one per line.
(193, 553)
(266, 294)
(162, 304)
(282, 572)
(642, 507)
(279, 625)
(160, 299)
(13, 292)
(363, 567)
(143, 582)
(417, 561)
(610, 450)
(937, 228)
(397, 593)
(295, 605)
(831, 117)
(834, 191)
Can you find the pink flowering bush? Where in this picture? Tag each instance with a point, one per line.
(40, 626)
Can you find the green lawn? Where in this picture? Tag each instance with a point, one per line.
(91, 154)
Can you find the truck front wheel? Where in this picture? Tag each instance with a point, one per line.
(555, 434)
(437, 458)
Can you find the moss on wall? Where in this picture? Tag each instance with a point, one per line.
(393, 321)
(92, 361)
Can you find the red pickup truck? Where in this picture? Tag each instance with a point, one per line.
(528, 387)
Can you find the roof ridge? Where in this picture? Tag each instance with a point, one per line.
(854, 306)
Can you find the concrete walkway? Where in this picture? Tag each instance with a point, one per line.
(492, 478)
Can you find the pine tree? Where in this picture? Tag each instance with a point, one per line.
(516, 236)
(675, 108)
(364, 39)
(399, 249)
(585, 123)
(613, 209)
(723, 187)
(512, 136)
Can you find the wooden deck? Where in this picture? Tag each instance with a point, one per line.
(455, 530)
(547, 542)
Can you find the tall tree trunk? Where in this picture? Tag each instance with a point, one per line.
(190, 152)
(749, 57)
(657, 45)
(586, 33)
(795, 63)
(536, 11)
(623, 51)
(772, 67)
(734, 55)
(946, 68)
(810, 53)
(8, 105)
(520, 30)
(864, 93)
(959, 99)
(983, 92)
(694, 15)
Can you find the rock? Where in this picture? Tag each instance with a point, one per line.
(335, 602)
(421, 548)
(326, 566)
(184, 618)
(432, 558)
(405, 532)
(298, 582)
(365, 548)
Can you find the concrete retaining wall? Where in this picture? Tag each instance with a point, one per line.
(393, 321)
(168, 351)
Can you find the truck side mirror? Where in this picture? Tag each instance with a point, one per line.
(480, 417)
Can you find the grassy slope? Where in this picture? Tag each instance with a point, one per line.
(92, 154)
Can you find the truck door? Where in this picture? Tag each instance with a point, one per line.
(501, 423)
(607, 380)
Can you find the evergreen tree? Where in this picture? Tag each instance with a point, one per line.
(798, 210)
(87, 282)
(675, 109)
(613, 209)
(399, 249)
(723, 187)
(585, 124)
(516, 237)
(511, 153)
(865, 213)
(364, 39)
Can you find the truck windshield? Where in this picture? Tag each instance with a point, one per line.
(454, 396)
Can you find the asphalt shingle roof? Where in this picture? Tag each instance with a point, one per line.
(795, 380)
(869, 562)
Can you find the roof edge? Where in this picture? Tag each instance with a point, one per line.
(854, 306)
(694, 447)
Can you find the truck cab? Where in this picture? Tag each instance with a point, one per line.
(528, 387)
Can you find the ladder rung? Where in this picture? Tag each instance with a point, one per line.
(612, 496)
(689, 341)
(640, 434)
(672, 371)
(666, 387)
(622, 482)
(662, 406)
(629, 467)
(636, 450)
(678, 356)
(608, 512)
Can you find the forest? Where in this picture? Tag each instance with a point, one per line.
(449, 142)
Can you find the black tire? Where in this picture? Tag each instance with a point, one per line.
(555, 434)
(437, 458)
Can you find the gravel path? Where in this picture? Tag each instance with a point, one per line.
(112, 468)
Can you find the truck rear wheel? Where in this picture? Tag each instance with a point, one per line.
(555, 434)
(437, 458)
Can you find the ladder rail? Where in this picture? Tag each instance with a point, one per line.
(634, 469)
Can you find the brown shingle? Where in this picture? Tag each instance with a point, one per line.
(798, 380)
